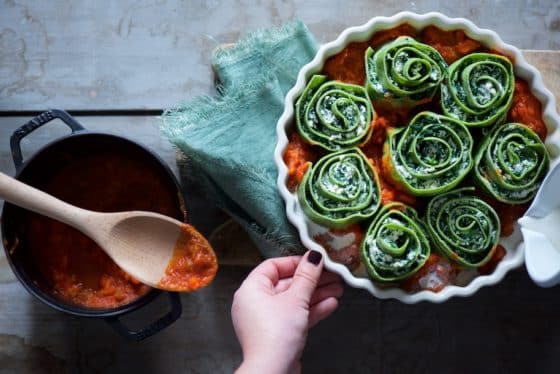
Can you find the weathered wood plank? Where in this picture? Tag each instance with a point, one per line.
(511, 327)
(152, 54)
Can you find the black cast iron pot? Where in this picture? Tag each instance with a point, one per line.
(35, 170)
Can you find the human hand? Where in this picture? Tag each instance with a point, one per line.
(276, 305)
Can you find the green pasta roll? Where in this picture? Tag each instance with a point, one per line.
(463, 227)
(511, 163)
(429, 156)
(340, 189)
(404, 72)
(479, 89)
(334, 115)
(395, 245)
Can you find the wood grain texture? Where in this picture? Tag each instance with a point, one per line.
(509, 328)
(151, 54)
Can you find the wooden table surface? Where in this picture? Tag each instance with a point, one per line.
(116, 65)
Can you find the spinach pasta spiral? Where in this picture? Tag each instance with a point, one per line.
(334, 115)
(404, 72)
(429, 156)
(340, 189)
(511, 163)
(463, 227)
(479, 90)
(395, 245)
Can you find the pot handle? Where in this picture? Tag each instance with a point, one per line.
(34, 124)
(154, 327)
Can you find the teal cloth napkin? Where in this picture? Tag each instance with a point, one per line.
(229, 140)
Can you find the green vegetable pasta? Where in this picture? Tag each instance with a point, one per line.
(463, 227)
(395, 245)
(479, 90)
(429, 156)
(340, 189)
(511, 163)
(334, 115)
(404, 72)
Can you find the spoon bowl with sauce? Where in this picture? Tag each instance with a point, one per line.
(155, 249)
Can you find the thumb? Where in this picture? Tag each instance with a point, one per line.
(307, 275)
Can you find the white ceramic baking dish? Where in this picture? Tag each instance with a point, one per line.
(513, 243)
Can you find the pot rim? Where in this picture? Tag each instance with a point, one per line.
(43, 296)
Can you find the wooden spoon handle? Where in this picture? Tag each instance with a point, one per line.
(30, 198)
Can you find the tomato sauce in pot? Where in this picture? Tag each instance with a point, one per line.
(74, 267)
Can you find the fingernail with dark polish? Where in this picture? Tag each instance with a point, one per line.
(314, 257)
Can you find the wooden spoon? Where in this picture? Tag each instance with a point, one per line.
(155, 249)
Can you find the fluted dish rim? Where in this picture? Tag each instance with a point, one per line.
(489, 38)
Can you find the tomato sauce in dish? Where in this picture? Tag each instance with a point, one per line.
(508, 213)
(374, 151)
(489, 267)
(452, 45)
(353, 55)
(193, 264)
(297, 156)
(436, 273)
(348, 66)
(343, 245)
(73, 266)
(526, 109)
